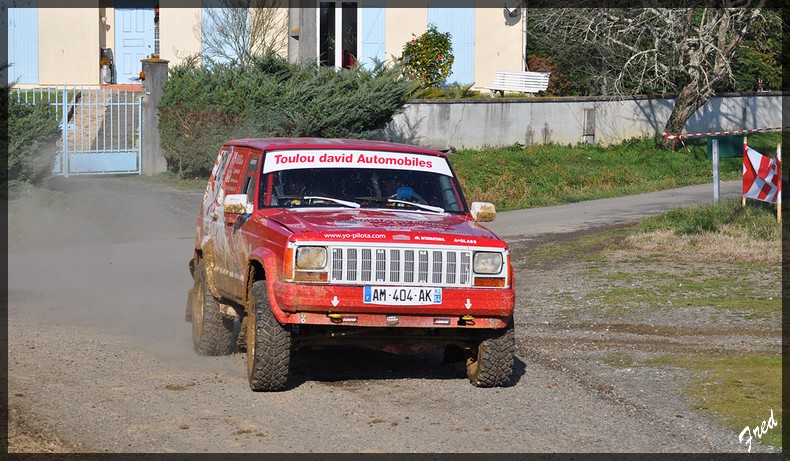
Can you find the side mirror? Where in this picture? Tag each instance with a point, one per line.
(483, 211)
(237, 204)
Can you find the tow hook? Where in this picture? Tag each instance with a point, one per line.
(467, 320)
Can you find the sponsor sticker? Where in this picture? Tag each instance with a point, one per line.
(277, 160)
(426, 238)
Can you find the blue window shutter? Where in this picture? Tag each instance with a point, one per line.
(458, 18)
(23, 41)
(373, 29)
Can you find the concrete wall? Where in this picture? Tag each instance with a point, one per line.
(502, 122)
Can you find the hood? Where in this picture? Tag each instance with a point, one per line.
(378, 225)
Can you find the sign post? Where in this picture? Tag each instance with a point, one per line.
(779, 197)
(715, 155)
(743, 199)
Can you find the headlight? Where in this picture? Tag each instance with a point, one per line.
(311, 258)
(487, 263)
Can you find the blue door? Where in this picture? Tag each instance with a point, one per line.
(134, 38)
(22, 33)
(458, 18)
(373, 32)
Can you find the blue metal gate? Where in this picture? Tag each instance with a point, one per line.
(101, 131)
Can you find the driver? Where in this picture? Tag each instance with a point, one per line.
(305, 183)
(393, 187)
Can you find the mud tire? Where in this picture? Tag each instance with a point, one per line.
(212, 332)
(268, 344)
(490, 363)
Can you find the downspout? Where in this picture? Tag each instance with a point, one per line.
(524, 36)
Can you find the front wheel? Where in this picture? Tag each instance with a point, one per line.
(268, 344)
(490, 363)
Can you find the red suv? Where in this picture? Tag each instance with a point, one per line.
(317, 242)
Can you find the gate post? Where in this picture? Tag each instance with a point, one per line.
(154, 76)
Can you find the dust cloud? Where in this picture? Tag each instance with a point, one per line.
(105, 253)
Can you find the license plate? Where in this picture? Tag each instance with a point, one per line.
(402, 296)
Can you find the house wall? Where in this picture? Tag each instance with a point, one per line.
(497, 44)
(70, 38)
(68, 44)
(178, 30)
(502, 122)
(401, 23)
(108, 24)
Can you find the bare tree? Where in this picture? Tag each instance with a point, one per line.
(238, 30)
(628, 51)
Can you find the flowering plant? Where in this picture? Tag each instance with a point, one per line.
(428, 58)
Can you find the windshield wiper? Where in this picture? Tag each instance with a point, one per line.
(384, 201)
(435, 209)
(310, 199)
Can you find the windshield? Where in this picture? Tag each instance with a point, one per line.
(362, 187)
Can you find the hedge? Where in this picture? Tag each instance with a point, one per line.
(204, 106)
(31, 142)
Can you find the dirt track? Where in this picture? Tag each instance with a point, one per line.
(100, 353)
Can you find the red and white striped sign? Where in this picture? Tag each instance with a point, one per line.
(762, 179)
(722, 133)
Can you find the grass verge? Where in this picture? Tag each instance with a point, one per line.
(540, 175)
(738, 391)
(714, 268)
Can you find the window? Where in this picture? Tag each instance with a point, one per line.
(368, 187)
(338, 19)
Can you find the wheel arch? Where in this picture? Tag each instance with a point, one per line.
(263, 265)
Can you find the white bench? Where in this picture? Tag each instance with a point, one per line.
(525, 82)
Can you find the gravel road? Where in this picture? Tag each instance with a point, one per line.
(99, 352)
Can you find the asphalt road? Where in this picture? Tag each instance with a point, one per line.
(99, 350)
(604, 212)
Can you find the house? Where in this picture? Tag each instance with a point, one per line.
(52, 45)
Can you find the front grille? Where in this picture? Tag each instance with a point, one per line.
(410, 266)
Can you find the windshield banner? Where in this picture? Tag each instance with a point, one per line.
(277, 160)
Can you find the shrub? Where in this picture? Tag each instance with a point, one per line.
(429, 57)
(446, 92)
(204, 106)
(559, 84)
(32, 132)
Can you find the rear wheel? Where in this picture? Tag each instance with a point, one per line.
(212, 332)
(490, 363)
(268, 344)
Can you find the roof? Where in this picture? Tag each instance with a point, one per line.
(330, 143)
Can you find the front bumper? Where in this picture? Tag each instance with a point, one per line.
(343, 305)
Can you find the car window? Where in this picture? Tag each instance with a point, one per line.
(367, 187)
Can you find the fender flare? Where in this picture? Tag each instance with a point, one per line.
(266, 259)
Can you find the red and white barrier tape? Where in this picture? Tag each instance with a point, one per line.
(720, 133)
